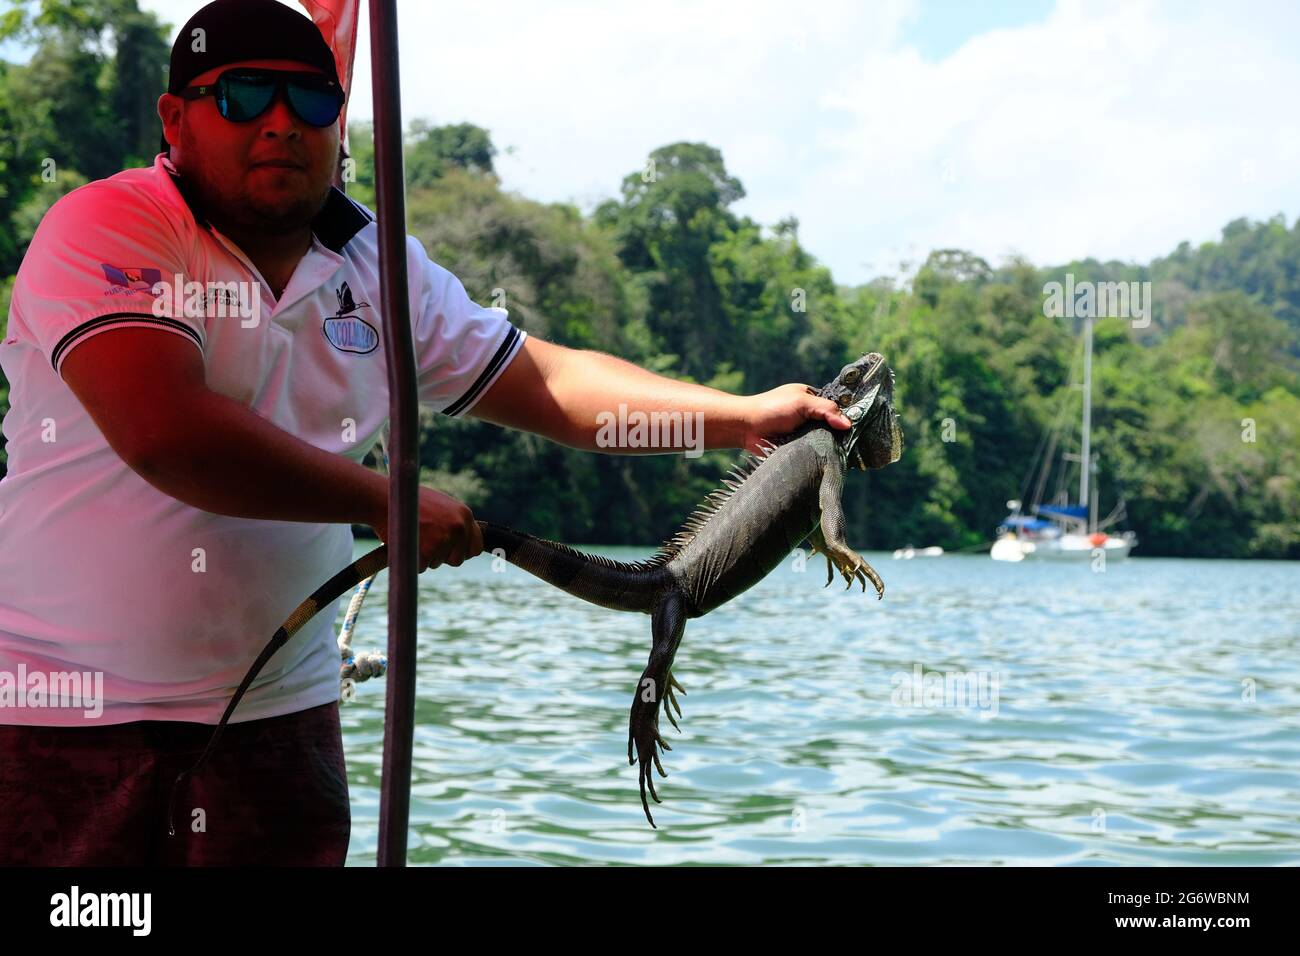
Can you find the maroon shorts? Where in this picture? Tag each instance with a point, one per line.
(274, 793)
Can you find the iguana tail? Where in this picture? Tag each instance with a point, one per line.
(619, 585)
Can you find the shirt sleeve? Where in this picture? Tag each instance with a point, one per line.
(461, 347)
(92, 266)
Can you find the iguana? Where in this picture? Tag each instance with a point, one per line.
(772, 502)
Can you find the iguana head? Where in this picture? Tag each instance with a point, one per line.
(864, 391)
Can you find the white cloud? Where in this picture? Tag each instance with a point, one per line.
(1110, 129)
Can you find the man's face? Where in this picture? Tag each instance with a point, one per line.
(232, 165)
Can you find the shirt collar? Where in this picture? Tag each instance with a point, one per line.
(334, 226)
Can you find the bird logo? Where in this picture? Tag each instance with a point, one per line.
(347, 332)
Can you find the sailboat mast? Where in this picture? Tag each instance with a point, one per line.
(1085, 453)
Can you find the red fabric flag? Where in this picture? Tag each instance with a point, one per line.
(337, 20)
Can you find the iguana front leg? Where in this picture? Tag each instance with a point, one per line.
(851, 564)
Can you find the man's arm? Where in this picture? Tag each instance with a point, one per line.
(145, 389)
(559, 393)
(147, 393)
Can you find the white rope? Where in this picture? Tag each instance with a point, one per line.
(364, 666)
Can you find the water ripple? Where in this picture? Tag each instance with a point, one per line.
(1148, 715)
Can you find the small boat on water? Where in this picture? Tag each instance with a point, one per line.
(1020, 538)
(1065, 530)
(908, 553)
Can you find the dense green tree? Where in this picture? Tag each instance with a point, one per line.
(672, 212)
(431, 150)
(139, 77)
(1260, 259)
(87, 99)
(787, 317)
(18, 162)
(84, 106)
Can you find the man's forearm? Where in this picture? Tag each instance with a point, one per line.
(229, 460)
(574, 397)
(583, 381)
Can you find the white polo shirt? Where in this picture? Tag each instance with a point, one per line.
(100, 572)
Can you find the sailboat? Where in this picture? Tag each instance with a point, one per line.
(1062, 529)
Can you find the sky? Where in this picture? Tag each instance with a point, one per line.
(1052, 129)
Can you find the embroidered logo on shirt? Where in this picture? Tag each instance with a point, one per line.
(126, 281)
(350, 333)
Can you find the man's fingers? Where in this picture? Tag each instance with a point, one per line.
(831, 413)
(466, 541)
(456, 556)
(440, 553)
(459, 544)
(823, 408)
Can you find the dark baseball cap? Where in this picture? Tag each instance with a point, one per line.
(237, 30)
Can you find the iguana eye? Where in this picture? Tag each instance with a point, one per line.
(851, 375)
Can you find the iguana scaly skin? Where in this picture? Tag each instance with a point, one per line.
(772, 502)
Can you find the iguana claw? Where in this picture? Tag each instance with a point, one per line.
(853, 568)
(671, 702)
(643, 732)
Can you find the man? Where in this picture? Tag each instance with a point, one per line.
(196, 378)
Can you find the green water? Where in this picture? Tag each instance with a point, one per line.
(1146, 715)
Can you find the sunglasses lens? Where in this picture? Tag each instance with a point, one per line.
(316, 104)
(245, 95)
(242, 98)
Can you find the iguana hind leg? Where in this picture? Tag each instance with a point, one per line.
(817, 545)
(667, 623)
(831, 532)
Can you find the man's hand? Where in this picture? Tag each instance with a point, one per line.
(785, 408)
(448, 532)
